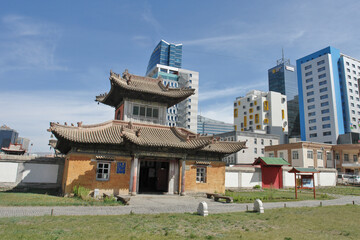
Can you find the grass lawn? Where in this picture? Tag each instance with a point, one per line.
(341, 190)
(284, 224)
(275, 195)
(36, 199)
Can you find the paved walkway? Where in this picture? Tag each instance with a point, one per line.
(152, 204)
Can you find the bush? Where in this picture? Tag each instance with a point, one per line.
(110, 199)
(81, 192)
(257, 187)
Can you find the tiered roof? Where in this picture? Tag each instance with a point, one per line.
(142, 88)
(119, 133)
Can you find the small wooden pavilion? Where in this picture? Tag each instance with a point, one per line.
(304, 179)
(271, 171)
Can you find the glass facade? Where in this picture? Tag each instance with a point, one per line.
(167, 54)
(7, 136)
(282, 79)
(210, 126)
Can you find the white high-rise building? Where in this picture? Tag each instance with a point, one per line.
(328, 95)
(262, 112)
(183, 114)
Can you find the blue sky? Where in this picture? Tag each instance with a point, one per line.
(55, 56)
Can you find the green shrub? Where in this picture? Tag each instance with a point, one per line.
(257, 187)
(81, 192)
(110, 199)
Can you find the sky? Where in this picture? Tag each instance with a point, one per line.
(55, 56)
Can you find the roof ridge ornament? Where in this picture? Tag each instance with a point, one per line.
(126, 75)
(79, 124)
(137, 133)
(130, 125)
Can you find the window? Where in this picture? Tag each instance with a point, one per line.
(270, 142)
(313, 135)
(328, 156)
(323, 104)
(201, 174)
(337, 156)
(355, 158)
(255, 150)
(325, 118)
(281, 154)
(324, 97)
(346, 157)
(255, 141)
(136, 110)
(319, 155)
(312, 128)
(103, 171)
(271, 154)
(322, 83)
(312, 120)
(322, 76)
(262, 151)
(311, 107)
(262, 141)
(235, 113)
(327, 133)
(307, 67)
(142, 111)
(323, 89)
(311, 100)
(321, 69)
(310, 93)
(325, 111)
(308, 73)
(320, 62)
(309, 86)
(309, 80)
(310, 154)
(295, 155)
(310, 114)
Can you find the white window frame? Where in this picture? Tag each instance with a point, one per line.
(104, 176)
(201, 174)
(295, 154)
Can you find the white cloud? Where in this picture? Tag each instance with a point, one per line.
(30, 113)
(221, 112)
(232, 91)
(148, 16)
(28, 45)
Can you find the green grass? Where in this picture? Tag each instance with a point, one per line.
(37, 199)
(274, 195)
(340, 190)
(285, 223)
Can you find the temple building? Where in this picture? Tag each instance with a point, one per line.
(136, 152)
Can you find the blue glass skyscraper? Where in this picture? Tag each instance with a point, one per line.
(282, 79)
(167, 54)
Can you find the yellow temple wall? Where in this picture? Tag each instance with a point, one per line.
(215, 178)
(80, 170)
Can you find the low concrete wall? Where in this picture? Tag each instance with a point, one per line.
(30, 172)
(248, 177)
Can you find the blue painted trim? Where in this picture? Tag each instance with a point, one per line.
(301, 101)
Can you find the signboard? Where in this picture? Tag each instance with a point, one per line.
(290, 68)
(307, 181)
(121, 167)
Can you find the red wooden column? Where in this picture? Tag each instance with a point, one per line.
(295, 187)
(134, 175)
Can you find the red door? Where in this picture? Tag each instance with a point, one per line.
(271, 177)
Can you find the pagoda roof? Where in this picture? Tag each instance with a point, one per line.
(271, 161)
(118, 133)
(142, 88)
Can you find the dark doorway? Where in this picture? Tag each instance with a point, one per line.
(153, 176)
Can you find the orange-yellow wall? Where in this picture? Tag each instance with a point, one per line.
(80, 170)
(215, 178)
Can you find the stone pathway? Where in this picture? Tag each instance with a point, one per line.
(152, 204)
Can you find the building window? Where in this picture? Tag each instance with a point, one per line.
(321, 69)
(295, 155)
(337, 156)
(270, 142)
(346, 157)
(271, 154)
(309, 86)
(324, 96)
(201, 174)
(326, 126)
(311, 100)
(325, 118)
(308, 73)
(255, 150)
(319, 155)
(312, 120)
(310, 154)
(311, 107)
(310, 93)
(322, 82)
(323, 89)
(313, 135)
(320, 62)
(328, 156)
(262, 141)
(327, 133)
(312, 128)
(355, 158)
(307, 67)
(325, 111)
(323, 104)
(322, 76)
(281, 154)
(255, 141)
(262, 151)
(309, 80)
(310, 114)
(103, 171)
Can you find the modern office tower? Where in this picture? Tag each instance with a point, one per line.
(210, 126)
(328, 95)
(165, 62)
(262, 112)
(167, 54)
(282, 79)
(7, 136)
(255, 146)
